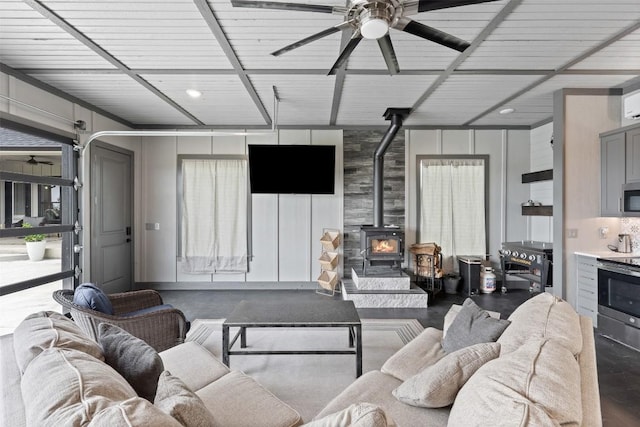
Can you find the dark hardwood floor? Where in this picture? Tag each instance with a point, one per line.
(618, 365)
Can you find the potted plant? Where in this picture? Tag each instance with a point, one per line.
(36, 244)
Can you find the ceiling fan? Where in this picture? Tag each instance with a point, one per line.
(371, 19)
(33, 161)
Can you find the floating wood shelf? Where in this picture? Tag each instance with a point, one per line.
(537, 210)
(545, 175)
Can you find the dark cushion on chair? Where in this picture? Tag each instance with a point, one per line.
(147, 310)
(90, 296)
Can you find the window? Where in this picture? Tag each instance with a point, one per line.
(213, 214)
(452, 207)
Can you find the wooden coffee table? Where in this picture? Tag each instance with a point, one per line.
(315, 314)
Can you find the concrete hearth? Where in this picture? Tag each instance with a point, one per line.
(381, 279)
(383, 289)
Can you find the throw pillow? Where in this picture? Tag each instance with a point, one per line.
(472, 325)
(90, 296)
(453, 312)
(437, 385)
(362, 414)
(133, 358)
(173, 397)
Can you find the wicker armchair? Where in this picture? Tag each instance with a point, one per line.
(161, 329)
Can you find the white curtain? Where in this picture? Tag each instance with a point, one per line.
(452, 211)
(214, 215)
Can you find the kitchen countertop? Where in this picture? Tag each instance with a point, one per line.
(606, 254)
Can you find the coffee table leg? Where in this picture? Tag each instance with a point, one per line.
(243, 337)
(358, 350)
(351, 335)
(225, 345)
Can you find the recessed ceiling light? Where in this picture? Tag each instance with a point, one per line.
(507, 111)
(194, 93)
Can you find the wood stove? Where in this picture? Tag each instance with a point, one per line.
(381, 246)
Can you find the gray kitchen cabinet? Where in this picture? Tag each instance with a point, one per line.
(633, 155)
(613, 173)
(587, 283)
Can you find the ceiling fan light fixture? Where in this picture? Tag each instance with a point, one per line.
(374, 21)
(374, 28)
(507, 111)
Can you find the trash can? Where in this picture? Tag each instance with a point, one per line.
(470, 272)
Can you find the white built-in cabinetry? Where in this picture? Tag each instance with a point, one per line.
(587, 284)
(619, 164)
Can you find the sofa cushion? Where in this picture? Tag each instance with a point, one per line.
(237, 393)
(67, 387)
(174, 398)
(90, 296)
(47, 329)
(472, 325)
(422, 351)
(437, 385)
(541, 373)
(133, 358)
(136, 412)
(543, 316)
(202, 369)
(361, 414)
(376, 387)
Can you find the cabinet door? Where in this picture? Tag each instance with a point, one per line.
(633, 155)
(587, 287)
(613, 173)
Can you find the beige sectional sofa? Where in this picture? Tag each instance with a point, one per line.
(541, 371)
(55, 375)
(545, 375)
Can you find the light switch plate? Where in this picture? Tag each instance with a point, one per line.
(572, 233)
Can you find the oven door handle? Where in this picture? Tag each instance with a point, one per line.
(619, 270)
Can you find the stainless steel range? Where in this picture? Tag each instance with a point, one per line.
(619, 299)
(530, 260)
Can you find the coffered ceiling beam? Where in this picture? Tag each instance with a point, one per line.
(221, 37)
(323, 72)
(57, 92)
(493, 24)
(625, 32)
(78, 35)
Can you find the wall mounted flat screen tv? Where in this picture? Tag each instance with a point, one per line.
(292, 169)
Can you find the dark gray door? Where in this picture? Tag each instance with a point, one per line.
(111, 218)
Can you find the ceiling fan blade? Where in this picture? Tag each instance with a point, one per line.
(386, 47)
(427, 5)
(286, 6)
(346, 52)
(317, 36)
(417, 29)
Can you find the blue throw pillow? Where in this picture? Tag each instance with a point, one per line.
(90, 296)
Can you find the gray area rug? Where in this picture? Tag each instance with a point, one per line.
(308, 382)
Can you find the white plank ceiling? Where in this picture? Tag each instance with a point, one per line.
(134, 59)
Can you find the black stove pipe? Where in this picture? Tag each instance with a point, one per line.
(397, 116)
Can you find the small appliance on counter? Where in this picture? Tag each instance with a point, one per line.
(624, 244)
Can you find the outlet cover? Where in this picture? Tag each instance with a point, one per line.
(572, 233)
